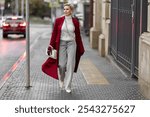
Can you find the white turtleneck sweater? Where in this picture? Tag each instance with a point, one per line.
(67, 30)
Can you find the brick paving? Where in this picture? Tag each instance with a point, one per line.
(46, 88)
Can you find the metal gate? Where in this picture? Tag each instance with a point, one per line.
(125, 31)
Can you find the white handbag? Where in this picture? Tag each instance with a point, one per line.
(53, 53)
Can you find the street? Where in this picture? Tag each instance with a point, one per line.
(10, 49)
(14, 46)
(102, 62)
(102, 80)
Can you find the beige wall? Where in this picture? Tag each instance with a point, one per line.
(104, 37)
(144, 64)
(97, 14)
(149, 16)
(96, 29)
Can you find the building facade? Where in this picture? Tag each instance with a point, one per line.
(144, 59)
(122, 29)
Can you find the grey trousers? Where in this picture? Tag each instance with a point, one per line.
(67, 54)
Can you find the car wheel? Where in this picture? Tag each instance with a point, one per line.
(4, 35)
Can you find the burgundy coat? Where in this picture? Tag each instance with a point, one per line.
(50, 66)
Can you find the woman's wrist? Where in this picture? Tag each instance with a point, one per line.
(50, 46)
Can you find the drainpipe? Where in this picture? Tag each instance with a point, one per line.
(141, 14)
(133, 40)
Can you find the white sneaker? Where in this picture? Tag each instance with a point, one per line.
(61, 84)
(68, 90)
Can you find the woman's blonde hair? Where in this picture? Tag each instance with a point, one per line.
(70, 5)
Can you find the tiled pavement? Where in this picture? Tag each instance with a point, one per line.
(96, 79)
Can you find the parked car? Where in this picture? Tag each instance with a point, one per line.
(1, 21)
(14, 25)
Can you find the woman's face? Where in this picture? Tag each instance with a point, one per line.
(67, 10)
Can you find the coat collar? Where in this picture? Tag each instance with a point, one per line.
(62, 18)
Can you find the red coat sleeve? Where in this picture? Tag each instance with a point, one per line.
(54, 34)
(80, 46)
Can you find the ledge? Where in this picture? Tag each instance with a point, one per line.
(145, 37)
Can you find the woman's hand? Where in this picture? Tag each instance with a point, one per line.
(49, 50)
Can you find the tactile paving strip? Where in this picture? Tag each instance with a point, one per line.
(91, 74)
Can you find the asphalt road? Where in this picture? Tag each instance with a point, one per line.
(13, 47)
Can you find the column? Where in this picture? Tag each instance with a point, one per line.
(104, 36)
(96, 29)
(144, 60)
(144, 64)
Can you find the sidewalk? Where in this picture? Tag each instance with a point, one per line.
(96, 79)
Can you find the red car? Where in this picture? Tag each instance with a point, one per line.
(14, 25)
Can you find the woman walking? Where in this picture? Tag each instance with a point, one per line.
(66, 39)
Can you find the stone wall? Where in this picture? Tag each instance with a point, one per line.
(104, 36)
(144, 64)
(96, 29)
